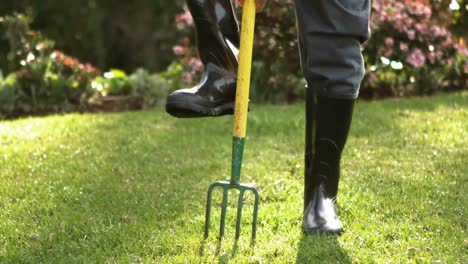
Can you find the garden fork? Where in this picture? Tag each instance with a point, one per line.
(239, 130)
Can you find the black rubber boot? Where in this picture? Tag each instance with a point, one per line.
(218, 44)
(327, 125)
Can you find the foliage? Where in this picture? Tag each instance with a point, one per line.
(276, 48)
(131, 187)
(152, 87)
(412, 50)
(7, 93)
(106, 33)
(24, 44)
(113, 82)
(47, 80)
(174, 74)
(268, 88)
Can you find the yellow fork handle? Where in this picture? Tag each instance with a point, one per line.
(245, 67)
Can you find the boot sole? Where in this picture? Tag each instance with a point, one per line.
(322, 231)
(186, 109)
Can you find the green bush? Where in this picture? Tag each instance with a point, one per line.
(46, 80)
(113, 82)
(7, 93)
(174, 75)
(106, 33)
(275, 88)
(153, 88)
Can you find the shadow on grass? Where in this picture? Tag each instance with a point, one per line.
(314, 248)
(219, 247)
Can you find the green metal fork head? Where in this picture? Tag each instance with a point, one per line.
(226, 186)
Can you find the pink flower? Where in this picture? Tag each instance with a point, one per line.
(389, 42)
(178, 50)
(187, 77)
(422, 28)
(431, 57)
(411, 34)
(185, 17)
(376, 5)
(272, 43)
(371, 77)
(41, 46)
(438, 31)
(448, 43)
(403, 46)
(463, 50)
(273, 80)
(427, 12)
(388, 52)
(196, 64)
(449, 62)
(399, 7)
(416, 58)
(419, 9)
(183, 20)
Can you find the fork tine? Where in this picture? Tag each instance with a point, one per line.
(208, 209)
(226, 186)
(239, 212)
(223, 211)
(255, 213)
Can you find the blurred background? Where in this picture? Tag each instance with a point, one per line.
(61, 56)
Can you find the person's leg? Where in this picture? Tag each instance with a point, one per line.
(330, 34)
(218, 42)
(327, 125)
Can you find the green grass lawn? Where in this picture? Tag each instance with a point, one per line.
(131, 187)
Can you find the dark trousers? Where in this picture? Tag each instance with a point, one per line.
(330, 35)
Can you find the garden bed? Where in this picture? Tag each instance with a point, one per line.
(117, 104)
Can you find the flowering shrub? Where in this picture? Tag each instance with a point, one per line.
(46, 80)
(190, 65)
(277, 74)
(412, 51)
(17, 35)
